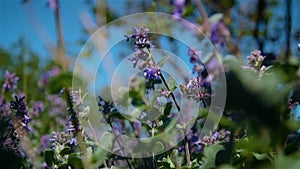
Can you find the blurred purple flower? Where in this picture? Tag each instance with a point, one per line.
(44, 80)
(4, 107)
(11, 81)
(37, 107)
(178, 7)
(219, 32)
(44, 142)
(152, 73)
(299, 47)
(52, 4)
(57, 105)
(194, 55)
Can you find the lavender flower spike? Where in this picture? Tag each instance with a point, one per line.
(11, 81)
(20, 108)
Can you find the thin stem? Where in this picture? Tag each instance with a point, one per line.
(187, 151)
(172, 94)
(201, 10)
(61, 45)
(127, 161)
(93, 131)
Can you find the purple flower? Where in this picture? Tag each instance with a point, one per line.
(152, 73)
(219, 32)
(44, 80)
(73, 141)
(57, 105)
(4, 107)
(52, 4)
(194, 55)
(11, 81)
(37, 107)
(105, 107)
(140, 38)
(255, 60)
(141, 42)
(299, 47)
(178, 7)
(45, 142)
(20, 108)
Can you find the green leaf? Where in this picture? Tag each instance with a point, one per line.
(166, 163)
(49, 157)
(98, 157)
(58, 82)
(291, 161)
(75, 161)
(65, 151)
(162, 61)
(216, 17)
(107, 139)
(172, 84)
(210, 153)
(260, 156)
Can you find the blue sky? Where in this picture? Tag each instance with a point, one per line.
(19, 19)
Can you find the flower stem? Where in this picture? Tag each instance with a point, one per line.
(187, 150)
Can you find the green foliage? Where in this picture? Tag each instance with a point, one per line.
(210, 152)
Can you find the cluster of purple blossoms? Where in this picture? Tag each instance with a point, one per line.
(20, 108)
(10, 83)
(255, 59)
(57, 104)
(219, 32)
(193, 90)
(140, 38)
(59, 139)
(44, 80)
(152, 73)
(105, 107)
(4, 107)
(196, 88)
(197, 144)
(141, 42)
(255, 62)
(178, 7)
(37, 107)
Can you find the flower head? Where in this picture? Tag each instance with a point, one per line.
(194, 55)
(193, 90)
(255, 59)
(44, 80)
(152, 73)
(178, 7)
(141, 42)
(37, 107)
(219, 32)
(140, 38)
(20, 108)
(104, 106)
(11, 81)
